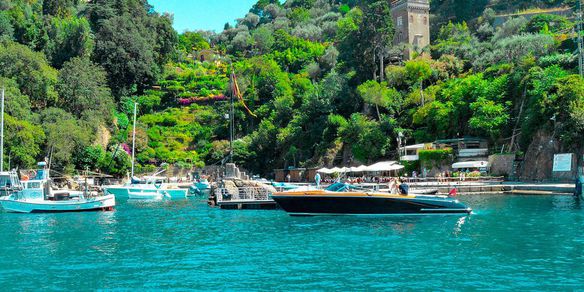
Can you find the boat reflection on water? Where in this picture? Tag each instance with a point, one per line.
(346, 199)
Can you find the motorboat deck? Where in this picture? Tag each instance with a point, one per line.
(345, 199)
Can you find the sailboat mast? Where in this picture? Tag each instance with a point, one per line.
(2, 133)
(231, 118)
(134, 139)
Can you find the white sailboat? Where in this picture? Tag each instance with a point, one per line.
(151, 189)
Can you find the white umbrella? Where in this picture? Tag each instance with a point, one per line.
(324, 170)
(382, 166)
(361, 168)
(336, 169)
(396, 167)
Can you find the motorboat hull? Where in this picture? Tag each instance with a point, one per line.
(104, 203)
(175, 193)
(143, 192)
(145, 195)
(310, 205)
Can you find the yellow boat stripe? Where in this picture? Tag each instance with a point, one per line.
(342, 194)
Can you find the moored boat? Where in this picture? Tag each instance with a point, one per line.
(345, 199)
(37, 196)
(137, 191)
(151, 188)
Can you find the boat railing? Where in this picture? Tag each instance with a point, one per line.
(243, 194)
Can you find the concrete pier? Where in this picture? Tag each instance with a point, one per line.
(517, 188)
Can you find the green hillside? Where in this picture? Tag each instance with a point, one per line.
(309, 71)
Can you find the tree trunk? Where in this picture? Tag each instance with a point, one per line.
(374, 67)
(422, 91)
(378, 114)
(514, 133)
(381, 69)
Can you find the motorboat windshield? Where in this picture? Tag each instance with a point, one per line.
(341, 187)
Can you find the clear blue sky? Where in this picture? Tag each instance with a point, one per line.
(203, 14)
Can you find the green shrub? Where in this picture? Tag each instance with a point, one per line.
(435, 157)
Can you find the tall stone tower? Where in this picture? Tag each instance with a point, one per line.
(411, 19)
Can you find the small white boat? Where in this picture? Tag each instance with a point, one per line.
(36, 196)
(146, 190)
(152, 188)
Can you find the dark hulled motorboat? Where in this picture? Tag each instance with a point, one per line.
(344, 199)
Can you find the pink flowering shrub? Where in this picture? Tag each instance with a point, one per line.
(191, 100)
(127, 148)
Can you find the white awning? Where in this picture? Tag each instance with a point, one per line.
(358, 168)
(414, 147)
(334, 170)
(471, 164)
(385, 166)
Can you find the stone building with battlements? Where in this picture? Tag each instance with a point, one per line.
(411, 19)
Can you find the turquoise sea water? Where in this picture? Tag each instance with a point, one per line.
(511, 242)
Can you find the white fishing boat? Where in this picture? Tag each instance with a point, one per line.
(37, 196)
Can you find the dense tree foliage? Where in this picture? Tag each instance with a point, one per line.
(61, 61)
(318, 80)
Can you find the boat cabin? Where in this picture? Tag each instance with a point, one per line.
(9, 182)
(37, 188)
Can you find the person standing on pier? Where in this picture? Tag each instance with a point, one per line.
(317, 180)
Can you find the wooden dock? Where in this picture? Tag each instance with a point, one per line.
(242, 199)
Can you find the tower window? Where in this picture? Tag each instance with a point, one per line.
(400, 21)
(411, 19)
(425, 20)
